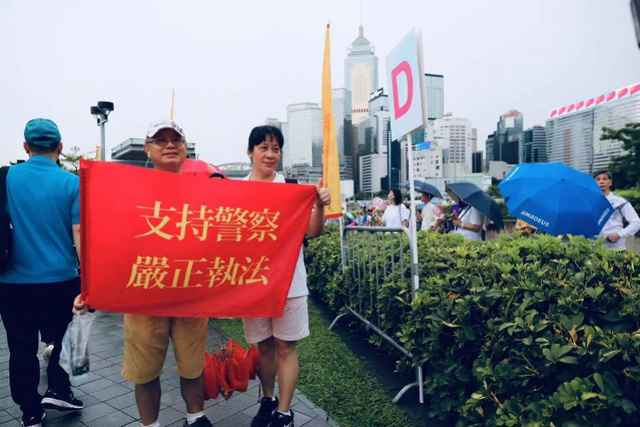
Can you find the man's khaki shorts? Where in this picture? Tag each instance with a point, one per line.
(146, 340)
(292, 326)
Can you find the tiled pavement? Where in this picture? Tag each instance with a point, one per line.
(109, 400)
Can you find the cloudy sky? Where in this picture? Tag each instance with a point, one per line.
(234, 63)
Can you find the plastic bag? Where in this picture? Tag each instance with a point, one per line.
(229, 370)
(211, 383)
(74, 356)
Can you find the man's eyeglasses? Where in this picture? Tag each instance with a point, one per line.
(165, 142)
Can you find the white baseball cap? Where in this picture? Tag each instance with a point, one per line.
(166, 124)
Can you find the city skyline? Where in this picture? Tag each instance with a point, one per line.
(534, 63)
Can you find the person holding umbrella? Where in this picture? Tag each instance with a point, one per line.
(476, 205)
(469, 222)
(614, 232)
(556, 199)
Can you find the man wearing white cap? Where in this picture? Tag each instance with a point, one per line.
(146, 338)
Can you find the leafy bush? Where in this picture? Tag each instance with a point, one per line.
(513, 332)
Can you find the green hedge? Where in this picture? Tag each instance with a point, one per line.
(513, 332)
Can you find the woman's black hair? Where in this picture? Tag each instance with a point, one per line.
(260, 134)
(397, 196)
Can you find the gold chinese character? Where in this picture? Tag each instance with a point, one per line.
(263, 224)
(202, 222)
(223, 271)
(189, 273)
(160, 221)
(252, 272)
(148, 272)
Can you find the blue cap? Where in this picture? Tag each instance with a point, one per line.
(42, 133)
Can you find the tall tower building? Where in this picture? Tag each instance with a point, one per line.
(304, 132)
(361, 75)
(344, 133)
(456, 137)
(504, 143)
(435, 96)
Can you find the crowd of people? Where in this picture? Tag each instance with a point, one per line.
(40, 287)
(458, 216)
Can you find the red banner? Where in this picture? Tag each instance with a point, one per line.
(168, 244)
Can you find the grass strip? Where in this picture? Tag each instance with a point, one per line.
(334, 378)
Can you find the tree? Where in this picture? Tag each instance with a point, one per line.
(71, 159)
(625, 168)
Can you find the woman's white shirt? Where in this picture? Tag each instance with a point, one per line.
(394, 215)
(299, 282)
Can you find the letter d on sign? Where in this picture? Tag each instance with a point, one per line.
(401, 110)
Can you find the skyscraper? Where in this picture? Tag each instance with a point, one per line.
(573, 131)
(533, 145)
(361, 75)
(304, 131)
(435, 96)
(504, 144)
(342, 116)
(456, 138)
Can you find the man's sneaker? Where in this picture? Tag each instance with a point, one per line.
(33, 421)
(200, 422)
(264, 415)
(61, 402)
(281, 420)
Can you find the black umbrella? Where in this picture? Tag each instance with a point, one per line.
(477, 198)
(424, 187)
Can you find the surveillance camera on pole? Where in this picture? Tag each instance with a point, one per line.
(102, 111)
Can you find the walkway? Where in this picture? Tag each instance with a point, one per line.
(109, 400)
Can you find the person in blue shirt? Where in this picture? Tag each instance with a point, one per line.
(40, 281)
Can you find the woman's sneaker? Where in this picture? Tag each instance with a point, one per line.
(61, 402)
(264, 416)
(203, 421)
(282, 420)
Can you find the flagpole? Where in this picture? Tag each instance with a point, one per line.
(413, 229)
(343, 257)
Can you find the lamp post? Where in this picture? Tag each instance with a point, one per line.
(102, 111)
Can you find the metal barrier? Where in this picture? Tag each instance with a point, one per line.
(370, 255)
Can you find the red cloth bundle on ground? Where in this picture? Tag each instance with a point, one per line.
(229, 370)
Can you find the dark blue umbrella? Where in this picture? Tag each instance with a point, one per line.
(556, 199)
(424, 187)
(473, 195)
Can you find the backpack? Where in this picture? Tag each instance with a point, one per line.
(625, 222)
(5, 221)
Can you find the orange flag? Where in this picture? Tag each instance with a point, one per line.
(330, 161)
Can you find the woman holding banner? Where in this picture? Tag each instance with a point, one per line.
(276, 337)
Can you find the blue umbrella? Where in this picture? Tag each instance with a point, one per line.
(556, 199)
(424, 187)
(473, 195)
